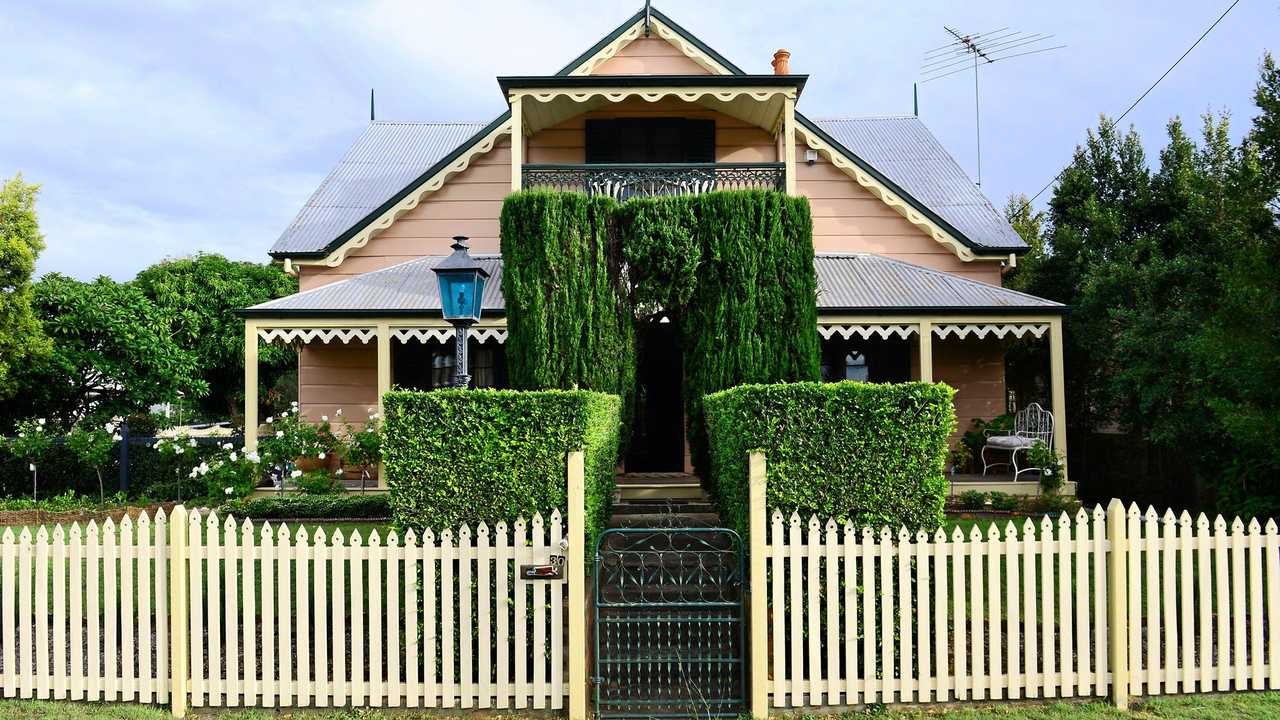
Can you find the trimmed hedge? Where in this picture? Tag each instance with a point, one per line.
(354, 505)
(734, 271)
(569, 320)
(870, 453)
(466, 456)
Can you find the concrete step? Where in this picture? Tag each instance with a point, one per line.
(664, 520)
(660, 492)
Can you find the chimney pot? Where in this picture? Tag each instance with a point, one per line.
(782, 62)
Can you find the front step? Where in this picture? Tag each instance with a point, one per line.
(684, 491)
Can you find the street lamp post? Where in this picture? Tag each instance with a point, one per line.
(462, 282)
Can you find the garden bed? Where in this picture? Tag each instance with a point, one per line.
(81, 515)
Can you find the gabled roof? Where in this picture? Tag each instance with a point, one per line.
(849, 282)
(378, 172)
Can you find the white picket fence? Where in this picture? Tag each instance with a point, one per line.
(85, 612)
(296, 618)
(863, 616)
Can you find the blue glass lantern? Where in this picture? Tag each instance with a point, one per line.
(462, 282)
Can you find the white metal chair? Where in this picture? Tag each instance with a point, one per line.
(1032, 424)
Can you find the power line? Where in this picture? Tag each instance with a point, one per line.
(1141, 97)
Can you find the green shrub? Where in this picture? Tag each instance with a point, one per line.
(1005, 502)
(873, 454)
(288, 507)
(465, 456)
(971, 500)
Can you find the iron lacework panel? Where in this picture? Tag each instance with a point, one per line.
(624, 181)
(669, 623)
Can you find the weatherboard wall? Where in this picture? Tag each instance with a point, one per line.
(650, 56)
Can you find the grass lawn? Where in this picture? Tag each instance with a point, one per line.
(1235, 706)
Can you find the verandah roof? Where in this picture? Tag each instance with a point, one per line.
(847, 282)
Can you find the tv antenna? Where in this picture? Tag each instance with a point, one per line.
(972, 51)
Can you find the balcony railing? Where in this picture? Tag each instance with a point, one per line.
(623, 181)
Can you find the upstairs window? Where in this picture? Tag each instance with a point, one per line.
(651, 140)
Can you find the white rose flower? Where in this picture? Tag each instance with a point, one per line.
(228, 490)
(177, 449)
(324, 418)
(294, 403)
(295, 474)
(116, 437)
(253, 457)
(279, 433)
(109, 427)
(270, 419)
(234, 457)
(320, 456)
(41, 421)
(193, 442)
(338, 471)
(338, 412)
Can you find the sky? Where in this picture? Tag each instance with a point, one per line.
(163, 128)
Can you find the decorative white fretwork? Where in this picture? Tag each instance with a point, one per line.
(325, 335)
(865, 331)
(1001, 331)
(444, 335)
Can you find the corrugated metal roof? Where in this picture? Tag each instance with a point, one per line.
(389, 156)
(904, 150)
(407, 287)
(854, 281)
(386, 158)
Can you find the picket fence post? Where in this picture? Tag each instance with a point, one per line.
(576, 567)
(179, 607)
(758, 583)
(1117, 604)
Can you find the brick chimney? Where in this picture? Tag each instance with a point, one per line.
(782, 62)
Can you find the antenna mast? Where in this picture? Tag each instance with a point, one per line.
(977, 50)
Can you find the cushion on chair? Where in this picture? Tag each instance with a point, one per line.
(1009, 442)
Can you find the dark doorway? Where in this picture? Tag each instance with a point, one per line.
(657, 434)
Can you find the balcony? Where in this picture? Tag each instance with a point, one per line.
(625, 181)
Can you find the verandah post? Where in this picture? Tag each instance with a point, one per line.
(179, 671)
(1117, 604)
(575, 565)
(759, 678)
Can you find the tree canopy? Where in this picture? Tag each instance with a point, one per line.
(197, 297)
(1172, 275)
(21, 339)
(112, 354)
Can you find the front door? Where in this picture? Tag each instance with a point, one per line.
(657, 432)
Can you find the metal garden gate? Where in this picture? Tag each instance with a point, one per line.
(669, 623)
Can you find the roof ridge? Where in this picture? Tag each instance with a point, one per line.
(432, 123)
(885, 116)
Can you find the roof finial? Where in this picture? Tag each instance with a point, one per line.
(647, 15)
(371, 116)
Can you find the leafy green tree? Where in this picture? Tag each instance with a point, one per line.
(1101, 206)
(92, 445)
(197, 296)
(21, 339)
(1238, 351)
(113, 354)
